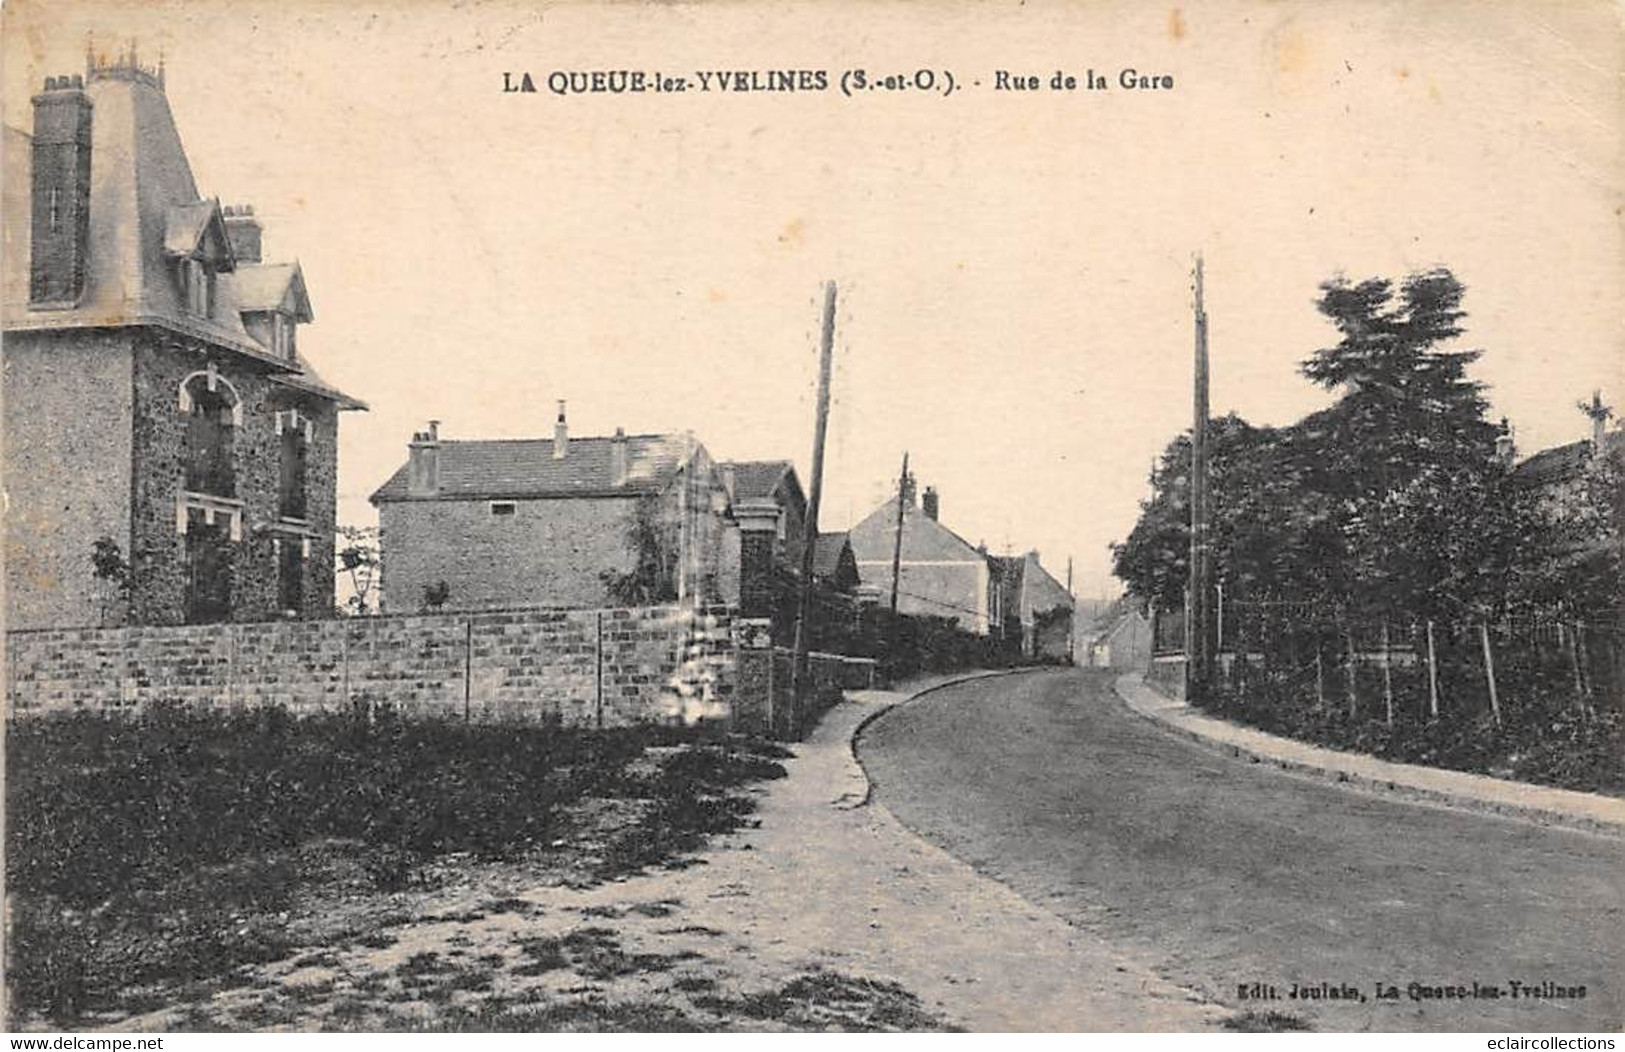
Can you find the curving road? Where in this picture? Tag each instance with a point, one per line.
(1221, 874)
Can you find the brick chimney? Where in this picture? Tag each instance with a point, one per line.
(243, 230)
(929, 503)
(617, 458)
(423, 462)
(60, 191)
(561, 435)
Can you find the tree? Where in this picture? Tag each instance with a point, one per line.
(436, 595)
(651, 536)
(1405, 457)
(112, 574)
(356, 554)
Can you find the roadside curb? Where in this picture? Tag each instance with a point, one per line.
(1601, 816)
(851, 801)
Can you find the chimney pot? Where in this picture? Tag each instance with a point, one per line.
(617, 458)
(423, 462)
(244, 233)
(561, 435)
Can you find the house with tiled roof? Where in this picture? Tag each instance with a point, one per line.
(554, 521)
(1026, 602)
(156, 399)
(940, 573)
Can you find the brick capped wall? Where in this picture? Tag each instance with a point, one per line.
(582, 667)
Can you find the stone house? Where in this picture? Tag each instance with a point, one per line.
(1026, 599)
(940, 573)
(155, 394)
(554, 522)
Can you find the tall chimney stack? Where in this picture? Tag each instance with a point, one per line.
(617, 458)
(60, 192)
(561, 435)
(423, 462)
(243, 230)
(929, 503)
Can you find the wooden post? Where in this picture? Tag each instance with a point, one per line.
(1433, 675)
(598, 672)
(1582, 661)
(1387, 677)
(1320, 677)
(897, 559)
(1489, 671)
(1199, 625)
(1354, 706)
(826, 350)
(468, 669)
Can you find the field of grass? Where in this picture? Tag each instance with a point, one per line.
(146, 855)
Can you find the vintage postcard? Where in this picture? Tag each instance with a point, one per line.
(827, 516)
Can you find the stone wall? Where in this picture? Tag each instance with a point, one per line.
(582, 667)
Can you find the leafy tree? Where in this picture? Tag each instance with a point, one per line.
(357, 555)
(112, 574)
(436, 596)
(651, 536)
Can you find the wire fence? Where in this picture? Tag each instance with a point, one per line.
(1535, 698)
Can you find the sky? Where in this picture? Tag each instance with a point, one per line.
(1013, 267)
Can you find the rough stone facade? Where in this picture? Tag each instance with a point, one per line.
(546, 552)
(159, 549)
(581, 667)
(67, 475)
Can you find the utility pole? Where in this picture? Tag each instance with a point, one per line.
(897, 539)
(896, 566)
(1072, 627)
(826, 351)
(1198, 616)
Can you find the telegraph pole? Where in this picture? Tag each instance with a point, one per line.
(1199, 609)
(826, 351)
(897, 538)
(1072, 628)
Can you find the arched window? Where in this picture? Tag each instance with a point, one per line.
(213, 413)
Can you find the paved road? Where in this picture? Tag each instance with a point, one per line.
(1218, 873)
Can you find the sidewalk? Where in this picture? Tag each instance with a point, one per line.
(846, 886)
(1563, 807)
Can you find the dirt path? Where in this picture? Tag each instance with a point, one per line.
(828, 914)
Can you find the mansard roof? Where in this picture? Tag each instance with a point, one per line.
(145, 214)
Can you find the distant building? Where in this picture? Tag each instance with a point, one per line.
(776, 482)
(941, 575)
(553, 522)
(1024, 598)
(155, 394)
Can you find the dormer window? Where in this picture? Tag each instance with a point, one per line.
(282, 335)
(198, 281)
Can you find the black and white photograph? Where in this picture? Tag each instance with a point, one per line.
(578, 517)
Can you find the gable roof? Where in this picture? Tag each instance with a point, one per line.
(525, 468)
(1561, 463)
(195, 227)
(756, 478)
(924, 538)
(271, 286)
(827, 551)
